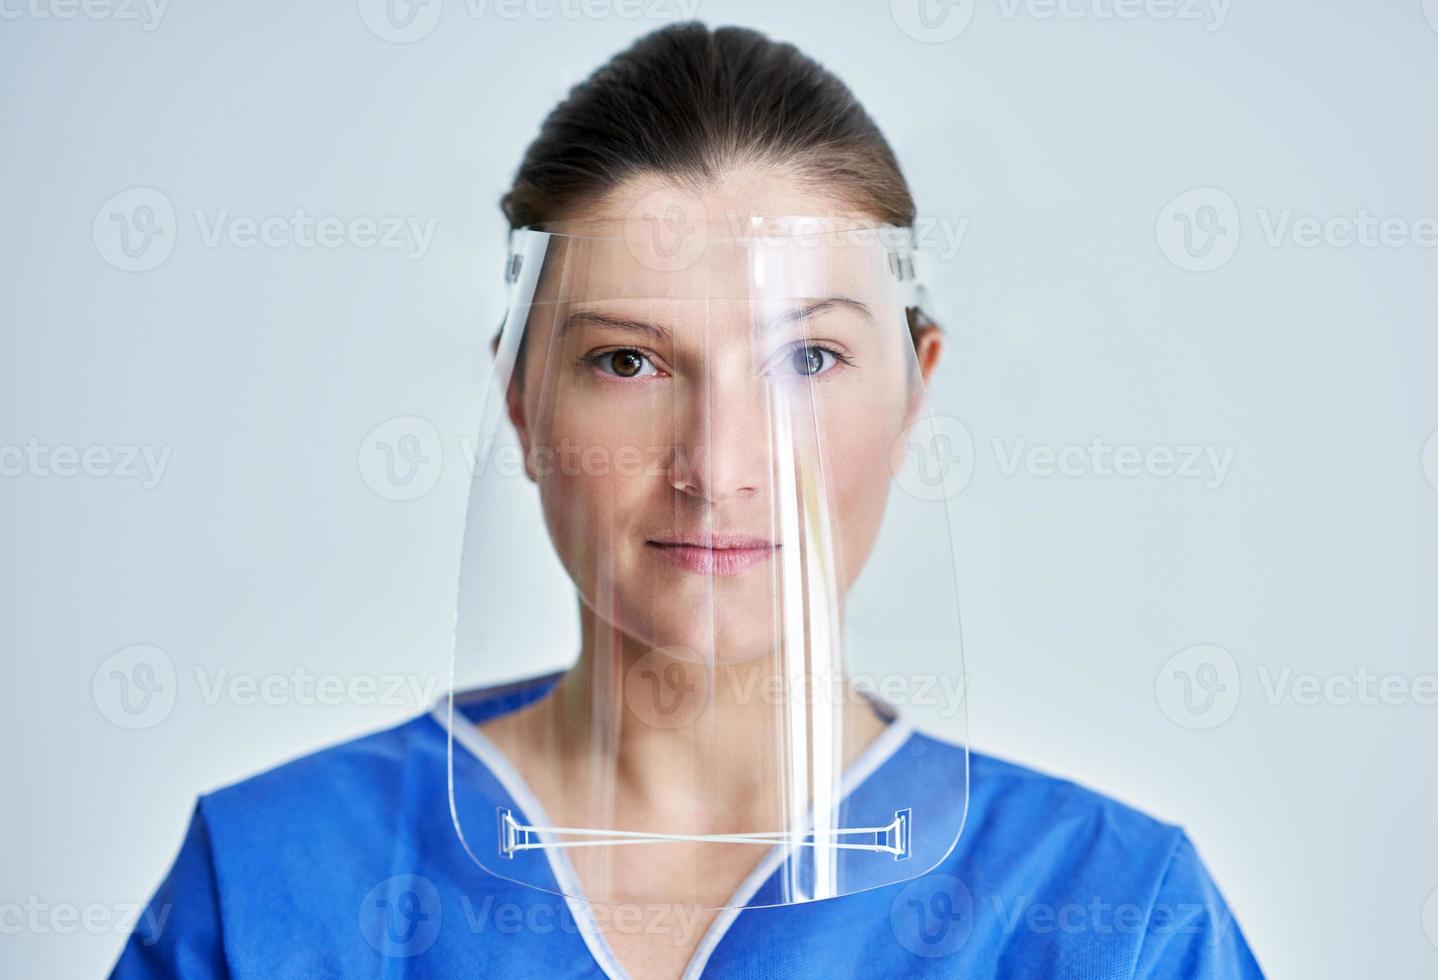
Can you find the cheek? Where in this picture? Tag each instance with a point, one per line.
(591, 477)
(860, 478)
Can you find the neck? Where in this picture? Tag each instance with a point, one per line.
(682, 730)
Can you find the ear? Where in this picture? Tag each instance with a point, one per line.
(514, 401)
(928, 346)
(514, 407)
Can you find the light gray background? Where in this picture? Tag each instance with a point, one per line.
(271, 542)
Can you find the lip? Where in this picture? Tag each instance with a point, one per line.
(716, 554)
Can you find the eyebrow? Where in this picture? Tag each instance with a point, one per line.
(812, 310)
(622, 323)
(659, 333)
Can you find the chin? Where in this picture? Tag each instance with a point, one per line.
(703, 640)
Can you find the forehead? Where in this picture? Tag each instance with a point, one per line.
(759, 269)
(739, 294)
(764, 189)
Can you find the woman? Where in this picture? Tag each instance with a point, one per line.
(710, 399)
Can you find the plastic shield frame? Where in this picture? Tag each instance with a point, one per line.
(696, 493)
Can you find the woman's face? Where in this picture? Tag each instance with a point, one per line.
(710, 421)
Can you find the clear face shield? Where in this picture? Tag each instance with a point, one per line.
(706, 471)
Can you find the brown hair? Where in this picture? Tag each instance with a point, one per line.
(689, 102)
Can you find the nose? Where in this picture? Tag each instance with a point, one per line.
(721, 441)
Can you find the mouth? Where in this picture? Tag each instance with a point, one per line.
(715, 554)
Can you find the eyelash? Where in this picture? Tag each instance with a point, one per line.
(839, 357)
(595, 359)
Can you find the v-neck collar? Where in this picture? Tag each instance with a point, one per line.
(467, 734)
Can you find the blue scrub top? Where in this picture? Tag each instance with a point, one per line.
(345, 863)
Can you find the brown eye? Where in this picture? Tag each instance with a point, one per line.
(625, 363)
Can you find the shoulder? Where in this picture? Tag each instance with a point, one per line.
(293, 852)
(1059, 872)
(369, 770)
(1058, 834)
(369, 790)
(1028, 800)
(366, 764)
(1028, 832)
(324, 827)
(1007, 800)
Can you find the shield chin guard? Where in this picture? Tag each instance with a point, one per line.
(704, 488)
(892, 839)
